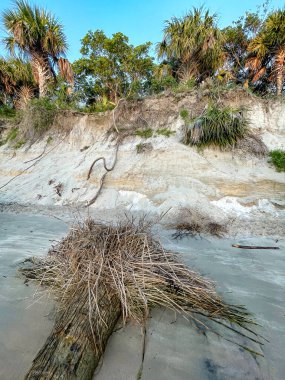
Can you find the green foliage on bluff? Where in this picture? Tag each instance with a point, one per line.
(192, 45)
(194, 51)
(111, 68)
(35, 33)
(217, 126)
(277, 158)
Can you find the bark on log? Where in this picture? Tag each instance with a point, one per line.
(73, 348)
(252, 247)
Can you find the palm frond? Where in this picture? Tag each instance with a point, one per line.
(195, 41)
(220, 127)
(65, 70)
(259, 74)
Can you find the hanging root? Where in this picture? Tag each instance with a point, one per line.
(119, 141)
(104, 175)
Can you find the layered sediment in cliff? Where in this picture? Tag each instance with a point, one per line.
(152, 175)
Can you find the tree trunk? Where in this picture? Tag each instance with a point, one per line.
(279, 66)
(279, 82)
(42, 73)
(73, 349)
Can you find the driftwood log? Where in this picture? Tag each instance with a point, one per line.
(72, 350)
(252, 247)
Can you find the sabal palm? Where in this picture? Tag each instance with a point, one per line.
(267, 50)
(195, 42)
(14, 75)
(38, 35)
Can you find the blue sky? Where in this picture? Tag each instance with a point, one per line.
(140, 20)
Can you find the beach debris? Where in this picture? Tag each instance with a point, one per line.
(100, 272)
(85, 148)
(58, 189)
(192, 222)
(252, 247)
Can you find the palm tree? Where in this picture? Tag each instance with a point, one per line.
(267, 51)
(195, 43)
(15, 78)
(38, 35)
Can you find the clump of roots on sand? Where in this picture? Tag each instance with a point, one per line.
(127, 263)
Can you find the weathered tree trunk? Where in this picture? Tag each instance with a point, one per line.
(42, 73)
(279, 82)
(279, 64)
(73, 349)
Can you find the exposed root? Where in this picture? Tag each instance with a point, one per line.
(119, 141)
(104, 163)
(104, 175)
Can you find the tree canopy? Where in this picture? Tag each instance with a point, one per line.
(14, 75)
(194, 42)
(112, 68)
(249, 52)
(267, 51)
(39, 37)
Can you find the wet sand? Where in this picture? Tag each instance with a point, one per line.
(24, 325)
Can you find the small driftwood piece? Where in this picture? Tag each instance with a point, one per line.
(252, 247)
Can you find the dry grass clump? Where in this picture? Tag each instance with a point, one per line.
(193, 228)
(192, 222)
(127, 263)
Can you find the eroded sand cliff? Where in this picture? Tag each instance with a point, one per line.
(167, 176)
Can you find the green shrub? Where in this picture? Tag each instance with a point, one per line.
(190, 84)
(59, 94)
(98, 107)
(37, 118)
(277, 158)
(144, 148)
(145, 133)
(159, 85)
(19, 144)
(12, 134)
(221, 127)
(43, 113)
(184, 114)
(165, 132)
(217, 90)
(49, 140)
(7, 112)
